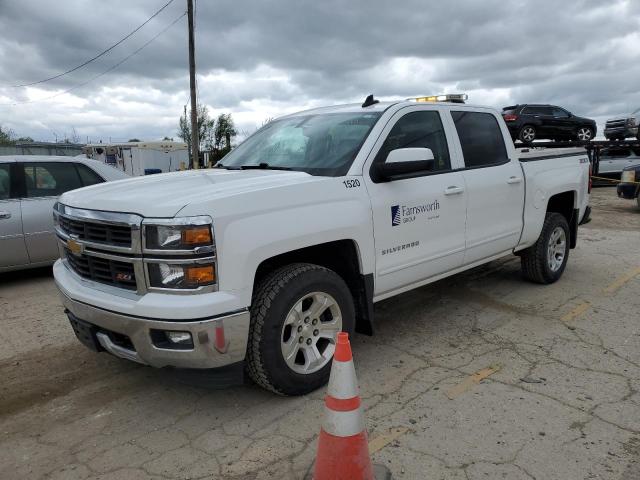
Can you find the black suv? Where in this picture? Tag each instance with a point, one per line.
(530, 122)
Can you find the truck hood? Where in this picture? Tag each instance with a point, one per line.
(164, 195)
(620, 118)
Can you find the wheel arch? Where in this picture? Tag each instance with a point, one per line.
(340, 256)
(564, 203)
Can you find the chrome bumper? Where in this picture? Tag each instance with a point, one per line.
(217, 342)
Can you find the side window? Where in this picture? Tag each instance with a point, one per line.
(88, 176)
(5, 181)
(560, 112)
(419, 129)
(50, 179)
(481, 139)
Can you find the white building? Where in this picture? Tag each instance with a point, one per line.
(141, 158)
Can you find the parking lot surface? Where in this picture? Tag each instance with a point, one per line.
(479, 376)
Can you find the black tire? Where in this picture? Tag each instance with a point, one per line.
(535, 259)
(273, 298)
(527, 134)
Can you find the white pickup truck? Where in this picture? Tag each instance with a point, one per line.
(301, 228)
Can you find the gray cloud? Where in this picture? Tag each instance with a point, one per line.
(259, 59)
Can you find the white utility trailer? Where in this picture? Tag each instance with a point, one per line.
(141, 158)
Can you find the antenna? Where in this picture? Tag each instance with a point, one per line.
(369, 101)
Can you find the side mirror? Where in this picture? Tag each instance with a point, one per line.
(405, 161)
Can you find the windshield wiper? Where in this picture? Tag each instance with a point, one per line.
(263, 166)
(219, 165)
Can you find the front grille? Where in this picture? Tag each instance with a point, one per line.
(616, 124)
(117, 235)
(101, 270)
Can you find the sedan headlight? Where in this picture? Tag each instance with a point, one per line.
(181, 276)
(178, 234)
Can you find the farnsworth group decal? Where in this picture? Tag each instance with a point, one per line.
(403, 214)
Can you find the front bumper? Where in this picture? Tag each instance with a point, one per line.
(217, 342)
(627, 190)
(620, 132)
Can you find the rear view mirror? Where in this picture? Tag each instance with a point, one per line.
(405, 161)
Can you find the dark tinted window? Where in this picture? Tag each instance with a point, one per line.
(537, 110)
(481, 139)
(615, 152)
(88, 176)
(50, 179)
(560, 112)
(418, 130)
(5, 181)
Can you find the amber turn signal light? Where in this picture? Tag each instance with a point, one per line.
(196, 236)
(200, 275)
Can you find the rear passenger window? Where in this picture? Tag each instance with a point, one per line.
(88, 176)
(419, 130)
(481, 139)
(5, 182)
(50, 179)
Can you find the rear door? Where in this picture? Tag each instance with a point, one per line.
(44, 181)
(494, 184)
(13, 250)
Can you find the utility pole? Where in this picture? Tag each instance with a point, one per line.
(195, 141)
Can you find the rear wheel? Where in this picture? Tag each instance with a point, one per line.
(527, 134)
(545, 261)
(296, 313)
(584, 134)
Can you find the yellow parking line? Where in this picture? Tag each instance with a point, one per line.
(620, 282)
(385, 439)
(472, 380)
(576, 312)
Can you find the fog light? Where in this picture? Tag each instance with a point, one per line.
(179, 338)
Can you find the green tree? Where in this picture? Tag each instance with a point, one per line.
(133, 140)
(205, 126)
(6, 136)
(224, 132)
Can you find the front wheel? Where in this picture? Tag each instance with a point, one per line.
(584, 134)
(545, 260)
(296, 314)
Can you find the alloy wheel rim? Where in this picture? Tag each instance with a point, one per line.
(528, 134)
(556, 248)
(308, 336)
(584, 134)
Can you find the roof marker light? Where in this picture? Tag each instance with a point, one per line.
(450, 97)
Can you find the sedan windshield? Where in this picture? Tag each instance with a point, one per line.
(320, 144)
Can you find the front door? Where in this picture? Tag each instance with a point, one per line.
(13, 251)
(45, 181)
(495, 186)
(419, 222)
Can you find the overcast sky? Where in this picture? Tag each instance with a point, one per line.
(260, 59)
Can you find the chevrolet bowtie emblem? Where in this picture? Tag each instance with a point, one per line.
(75, 247)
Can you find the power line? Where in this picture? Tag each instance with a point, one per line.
(113, 67)
(97, 56)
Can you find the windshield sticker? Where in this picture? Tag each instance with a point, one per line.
(400, 248)
(403, 214)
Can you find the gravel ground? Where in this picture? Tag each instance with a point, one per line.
(558, 399)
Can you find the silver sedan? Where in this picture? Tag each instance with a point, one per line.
(29, 187)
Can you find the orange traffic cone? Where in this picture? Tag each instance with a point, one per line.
(343, 452)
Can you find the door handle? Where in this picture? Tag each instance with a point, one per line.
(5, 215)
(513, 180)
(453, 190)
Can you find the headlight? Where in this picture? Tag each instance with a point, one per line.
(178, 234)
(181, 276)
(628, 176)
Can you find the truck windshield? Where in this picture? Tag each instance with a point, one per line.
(320, 144)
